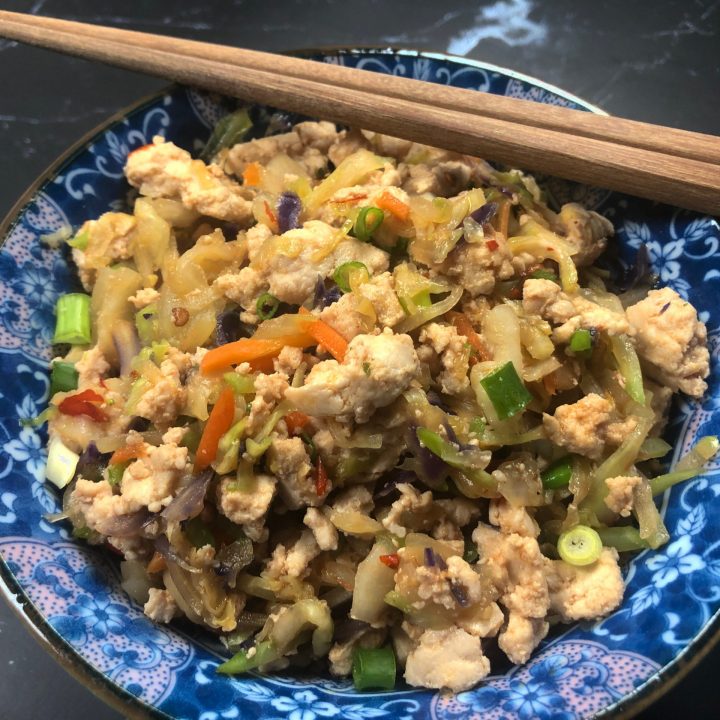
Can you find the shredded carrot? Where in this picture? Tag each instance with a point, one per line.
(321, 478)
(329, 338)
(270, 213)
(263, 365)
(243, 350)
(127, 453)
(157, 563)
(295, 421)
(395, 207)
(464, 327)
(252, 174)
(219, 422)
(502, 218)
(392, 560)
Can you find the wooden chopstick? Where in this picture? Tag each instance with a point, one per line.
(677, 180)
(680, 143)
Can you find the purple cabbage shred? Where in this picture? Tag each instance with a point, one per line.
(288, 211)
(484, 214)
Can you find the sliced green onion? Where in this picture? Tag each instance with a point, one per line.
(623, 539)
(80, 241)
(369, 219)
(342, 274)
(580, 545)
(229, 130)
(470, 553)
(422, 299)
(267, 305)
(265, 652)
(477, 426)
(257, 449)
(506, 391)
(61, 464)
(115, 473)
(581, 341)
(73, 319)
(653, 447)
(689, 466)
(47, 414)
(558, 475)
(240, 384)
(628, 364)
(198, 533)
(455, 458)
(398, 601)
(374, 668)
(147, 324)
(137, 390)
(63, 377)
(544, 274)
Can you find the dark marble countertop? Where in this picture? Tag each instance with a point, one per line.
(657, 61)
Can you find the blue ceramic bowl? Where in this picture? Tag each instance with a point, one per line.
(70, 594)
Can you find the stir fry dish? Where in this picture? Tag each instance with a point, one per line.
(356, 403)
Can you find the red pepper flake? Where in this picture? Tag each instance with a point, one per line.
(321, 479)
(270, 213)
(392, 560)
(82, 404)
(549, 249)
(492, 245)
(102, 384)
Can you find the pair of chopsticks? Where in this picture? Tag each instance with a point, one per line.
(665, 164)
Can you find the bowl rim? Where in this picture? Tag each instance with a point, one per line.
(125, 702)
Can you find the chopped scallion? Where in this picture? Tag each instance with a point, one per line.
(63, 377)
(229, 130)
(624, 539)
(73, 319)
(369, 219)
(267, 305)
(477, 426)
(558, 475)
(147, 324)
(241, 384)
(80, 241)
(342, 274)
(265, 652)
(115, 473)
(257, 449)
(580, 545)
(506, 391)
(544, 274)
(396, 600)
(374, 668)
(198, 533)
(581, 341)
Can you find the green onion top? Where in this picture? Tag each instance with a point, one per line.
(73, 319)
(477, 426)
(80, 241)
(580, 545)
(506, 391)
(63, 377)
(544, 274)
(369, 219)
(267, 305)
(115, 473)
(229, 131)
(558, 475)
(374, 668)
(342, 273)
(581, 340)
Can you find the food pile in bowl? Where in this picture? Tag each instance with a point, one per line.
(338, 396)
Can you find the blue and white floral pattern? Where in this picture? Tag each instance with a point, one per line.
(672, 595)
